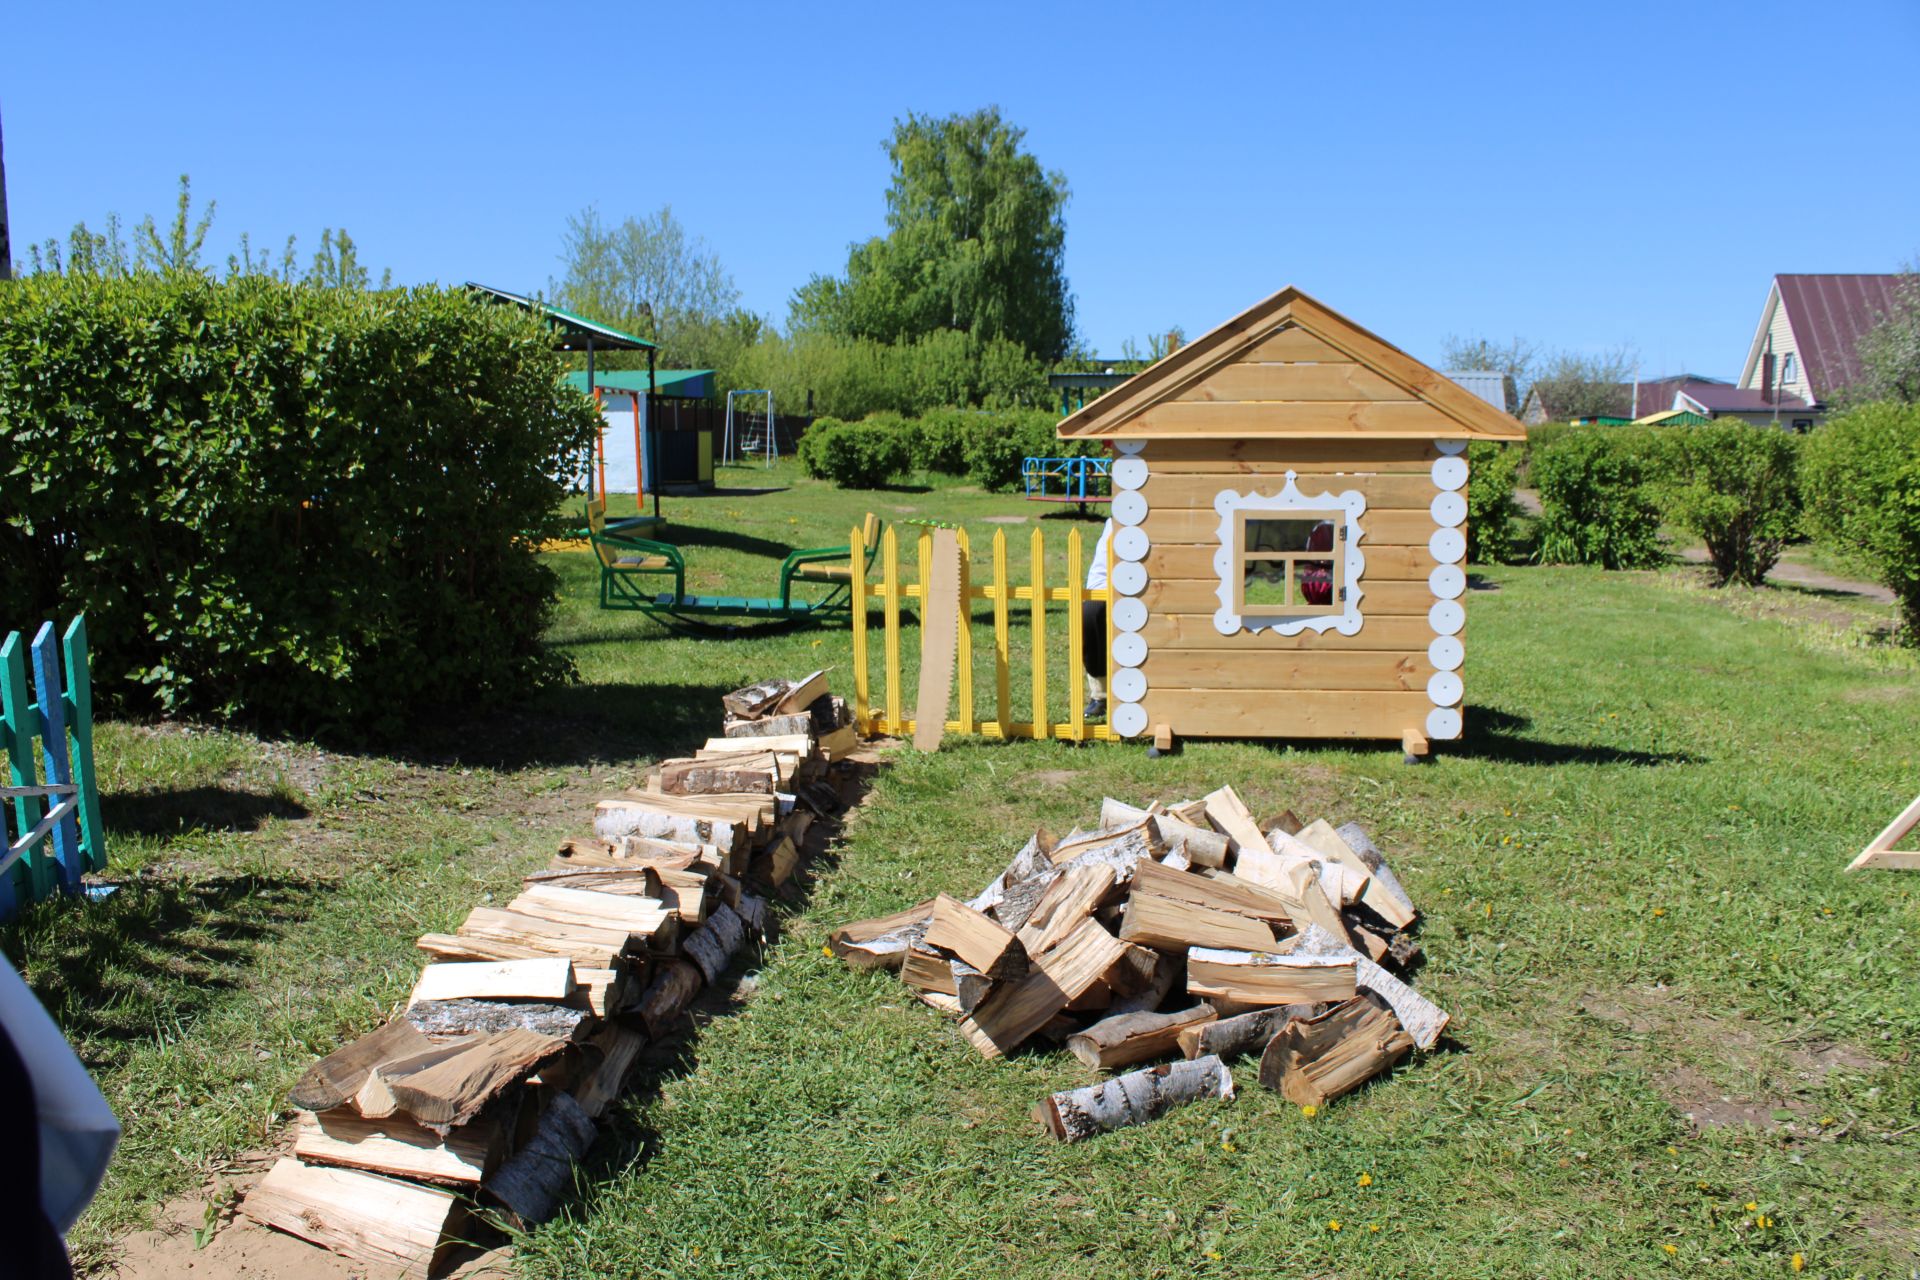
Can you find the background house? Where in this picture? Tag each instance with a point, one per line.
(1806, 350)
(1494, 387)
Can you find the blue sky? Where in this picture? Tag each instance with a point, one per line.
(1581, 175)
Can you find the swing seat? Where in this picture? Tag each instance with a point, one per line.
(820, 564)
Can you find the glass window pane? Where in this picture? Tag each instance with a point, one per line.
(1312, 533)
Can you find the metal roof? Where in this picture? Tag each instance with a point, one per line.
(1491, 385)
(577, 332)
(1717, 397)
(1829, 315)
(692, 384)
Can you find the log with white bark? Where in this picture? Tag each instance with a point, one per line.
(1362, 844)
(613, 819)
(1423, 1019)
(927, 970)
(1031, 861)
(1017, 901)
(529, 1186)
(1245, 1032)
(1121, 850)
(464, 1017)
(1074, 1115)
(970, 986)
(796, 725)
(752, 910)
(1203, 846)
(755, 700)
(1169, 971)
(1265, 978)
(619, 1048)
(1071, 898)
(1313, 1061)
(1230, 816)
(747, 771)
(1394, 908)
(1126, 1038)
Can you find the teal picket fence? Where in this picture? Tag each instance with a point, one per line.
(53, 833)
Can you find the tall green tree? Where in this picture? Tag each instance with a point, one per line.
(1890, 351)
(976, 238)
(647, 275)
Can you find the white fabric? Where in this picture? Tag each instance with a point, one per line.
(1097, 571)
(77, 1130)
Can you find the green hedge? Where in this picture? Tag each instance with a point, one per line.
(857, 455)
(1732, 484)
(1493, 472)
(1861, 475)
(295, 506)
(985, 445)
(1001, 441)
(1598, 499)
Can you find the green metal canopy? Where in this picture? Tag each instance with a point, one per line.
(577, 333)
(691, 384)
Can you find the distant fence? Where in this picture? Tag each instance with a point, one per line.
(54, 834)
(1033, 599)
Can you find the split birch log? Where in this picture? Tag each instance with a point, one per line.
(398, 1147)
(749, 771)
(970, 986)
(798, 724)
(927, 970)
(548, 979)
(1219, 891)
(1356, 838)
(461, 1017)
(619, 1048)
(838, 744)
(593, 946)
(1243, 1033)
(1070, 899)
(1127, 1038)
(333, 1080)
(603, 992)
(712, 947)
(1423, 1019)
(1121, 850)
(1393, 908)
(1263, 978)
(672, 989)
(529, 1186)
(801, 694)
(1288, 822)
(1311, 1062)
(613, 819)
(388, 1226)
(1017, 901)
(976, 938)
(447, 1092)
(1230, 817)
(375, 1099)
(1169, 969)
(1204, 846)
(1135, 1098)
(752, 910)
(755, 700)
(776, 866)
(1031, 861)
(882, 942)
(1172, 925)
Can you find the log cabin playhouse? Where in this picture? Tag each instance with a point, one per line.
(1290, 504)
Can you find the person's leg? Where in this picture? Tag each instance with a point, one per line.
(1093, 653)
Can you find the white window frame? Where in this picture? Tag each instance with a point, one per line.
(1227, 560)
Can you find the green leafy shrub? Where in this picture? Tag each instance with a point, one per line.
(290, 505)
(1002, 440)
(1597, 499)
(1493, 471)
(1732, 484)
(1861, 476)
(851, 378)
(856, 455)
(940, 442)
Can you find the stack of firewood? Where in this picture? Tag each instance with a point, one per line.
(1179, 929)
(483, 1092)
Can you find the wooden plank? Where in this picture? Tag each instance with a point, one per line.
(334, 1079)
(390, 1226)
(503, 980)
(1257, 381)
(1198, 489)
(397, 1146)
(639, 917)
(1002, 645)
(1169, 924)
(1383, 563)
(1244, 713)
(450, 1091)
(1286, 669)
(939, 637)
(1379, 526)
(1127, 1038)
(1263, 454)
(1252, 977)
(1076, 660)
(963, 669)
(861, 676)
(1880, 851)
(1294, 343)
(976, 938)
(1377, 599)
(595, 947)
(1292, 417)
(890, 563)
(1037, 633)
(1403, 634)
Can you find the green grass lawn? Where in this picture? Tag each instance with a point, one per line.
(1634, 908)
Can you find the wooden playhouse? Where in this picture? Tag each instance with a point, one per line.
(1290, 503)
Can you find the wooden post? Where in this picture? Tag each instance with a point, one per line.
(859, 570)
(1002, 657)
(1109, 596)
(639, 462)
(1076, 661)
(890, 562)
(600, 443)
(93, 835)
(55, 750)
(964, 679)
(1042, 726)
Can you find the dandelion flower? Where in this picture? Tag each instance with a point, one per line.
(1671, 1249)
(1673, 1151)
(1658, 912)
(1309, 1111)
(1225, 1145)
(1799, 1262)
(1334, 1225)
(1763, 1222)
(1753, 1206)
(826, 949)
(1366, 1179)
(1213, 1254)
(1373, 1226)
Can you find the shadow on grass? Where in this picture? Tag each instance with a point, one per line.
(685, 536)
(576, 725)
(1498, 736)
(1088, 514)
(148, 957)
(209, 808)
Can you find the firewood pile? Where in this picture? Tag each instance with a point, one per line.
(484, 1091)
(1181, 931)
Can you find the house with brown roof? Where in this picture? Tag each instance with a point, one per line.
(1806, 350)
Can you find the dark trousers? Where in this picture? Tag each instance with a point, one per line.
(1093, 637)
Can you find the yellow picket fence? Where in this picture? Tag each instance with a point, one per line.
(886, 717)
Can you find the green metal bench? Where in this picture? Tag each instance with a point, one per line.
(631, 568)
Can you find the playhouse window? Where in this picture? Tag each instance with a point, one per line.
(1291, 565)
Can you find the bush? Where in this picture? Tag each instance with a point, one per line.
(1493, 471)
(856, 455)
(296, 506)
(1001, 441)
(940, 441)
(1861, 476)
(1597, 499)
(851, 378)
(1732, 484)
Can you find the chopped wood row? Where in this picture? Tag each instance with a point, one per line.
(1186, 930)
(479, 1095)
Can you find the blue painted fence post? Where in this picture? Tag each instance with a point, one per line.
(55, 749)
(79, 701)
(20, 882)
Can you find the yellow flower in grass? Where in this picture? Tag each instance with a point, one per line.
(1753, 1206)
(1658, 912)
(1366, 1179)
(1799, 1262)
(1763, 1222)
(1373, 1226)
(1309, 1111)
(1670, 1249)
(1673, 1151)
(1334, 1225)
(1213, 1254)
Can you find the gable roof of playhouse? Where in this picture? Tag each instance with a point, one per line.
(1290, 366)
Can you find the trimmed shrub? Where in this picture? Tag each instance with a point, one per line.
(940, 440)
(1002, 440)
(1597, 499)
(1732, 485)
(1493, 471)
(856, 455)
(850, 378)
(301, 507)
(1861, 476)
